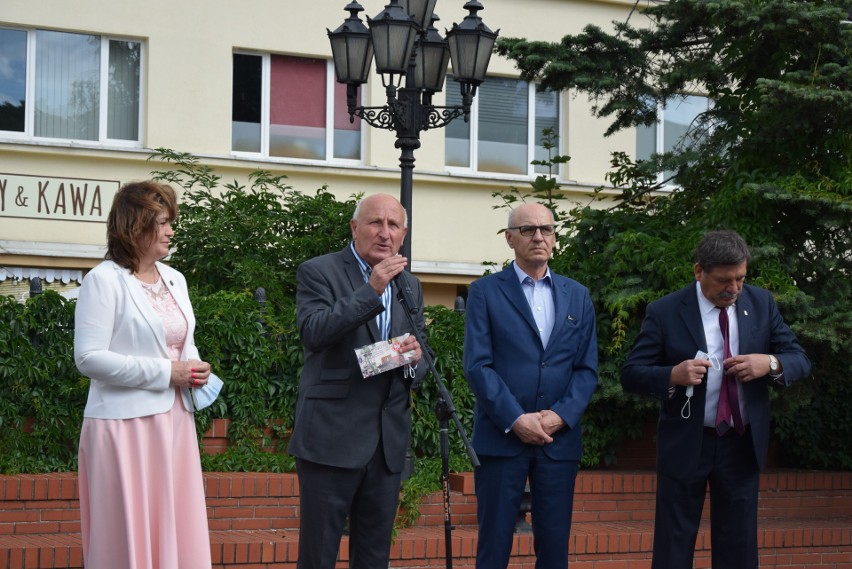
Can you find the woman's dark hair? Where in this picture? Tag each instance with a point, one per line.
(721, 249)
(132, 220)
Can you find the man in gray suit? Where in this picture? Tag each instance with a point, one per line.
(351, 433)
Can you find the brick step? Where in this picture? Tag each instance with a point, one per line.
(805, 521)
(48, 503)
(797, 544)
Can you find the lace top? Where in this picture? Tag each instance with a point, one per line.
(170, 314)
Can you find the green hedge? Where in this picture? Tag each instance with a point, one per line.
(259, 356)
(43, 394)
(231, 241)
(260, 359)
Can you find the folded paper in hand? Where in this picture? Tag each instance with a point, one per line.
(203, 397)
(383, 356)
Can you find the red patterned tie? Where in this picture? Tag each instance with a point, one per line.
(729, 401)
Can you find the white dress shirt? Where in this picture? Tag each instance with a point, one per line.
(716, 347)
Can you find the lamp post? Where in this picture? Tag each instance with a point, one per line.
(405, 44)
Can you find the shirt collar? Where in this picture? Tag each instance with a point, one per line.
(365, 268)
(522, 276)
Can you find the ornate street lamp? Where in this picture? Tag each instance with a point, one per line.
(405, 43)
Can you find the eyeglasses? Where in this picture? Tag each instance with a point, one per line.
(529, 230)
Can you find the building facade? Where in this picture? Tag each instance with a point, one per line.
(89, 89)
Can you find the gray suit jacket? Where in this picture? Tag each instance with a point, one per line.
(341, 416)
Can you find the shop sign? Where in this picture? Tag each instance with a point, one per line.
(47, 197)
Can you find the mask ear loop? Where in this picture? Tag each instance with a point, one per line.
(686, 410)
(714, 358)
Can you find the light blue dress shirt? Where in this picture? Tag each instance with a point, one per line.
(539, 294)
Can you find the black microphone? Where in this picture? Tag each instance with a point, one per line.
(404, 293)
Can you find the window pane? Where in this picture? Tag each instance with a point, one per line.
(678, 117)
(13, 75)
(457, 135)
(546, 117)
(67, 89)
(347, 136)
(123, 102)
(297, 107)
(246, 103)
(503, 121)
(677, 120)
(646, 141)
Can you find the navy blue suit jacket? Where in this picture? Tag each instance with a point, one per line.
(511, 373)
(672, 332)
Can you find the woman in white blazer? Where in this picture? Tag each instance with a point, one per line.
(141, 488)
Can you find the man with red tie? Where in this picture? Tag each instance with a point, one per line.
(709, 352)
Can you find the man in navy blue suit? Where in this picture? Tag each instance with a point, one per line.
(531, 358)
(709, 352)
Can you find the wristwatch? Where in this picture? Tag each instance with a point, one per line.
(773, 365)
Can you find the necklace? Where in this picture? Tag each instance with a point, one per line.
(148, 277)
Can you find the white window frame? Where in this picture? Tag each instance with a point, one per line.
(265, 102)
(473, 142)
(103, 141)
(29, 92)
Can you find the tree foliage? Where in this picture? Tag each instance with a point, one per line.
(242, 238)
(771, 158)
(762, 62)
(43, 395)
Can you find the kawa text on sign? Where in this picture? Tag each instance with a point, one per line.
(42, 197)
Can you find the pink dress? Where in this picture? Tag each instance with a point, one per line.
(141, 489)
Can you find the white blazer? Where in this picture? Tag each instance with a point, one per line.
(120, 344)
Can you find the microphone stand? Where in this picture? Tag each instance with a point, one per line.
(444, 410)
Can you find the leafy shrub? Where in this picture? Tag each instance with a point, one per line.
(445, 336)
(244, 238)
(256, 356)
(231, 243)
(43, 395)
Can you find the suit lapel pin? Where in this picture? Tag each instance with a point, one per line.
(571, 317)
(745, 312)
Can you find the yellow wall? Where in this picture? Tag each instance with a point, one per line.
(188, 45)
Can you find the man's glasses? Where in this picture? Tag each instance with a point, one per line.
(529, 230)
